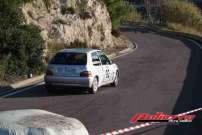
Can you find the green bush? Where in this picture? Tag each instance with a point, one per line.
(182, 12)
(133, 16)
(118, 10)
(10, 14)
(21, 46)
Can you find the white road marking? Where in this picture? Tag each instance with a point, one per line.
(199, 45)
(20, 91)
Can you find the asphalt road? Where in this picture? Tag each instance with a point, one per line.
(163, 75)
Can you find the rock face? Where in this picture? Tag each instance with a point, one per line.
(70, 20)
(38, 122)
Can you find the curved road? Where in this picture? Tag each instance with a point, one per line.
(163, 75)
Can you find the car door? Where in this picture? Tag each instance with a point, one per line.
(105, 66)
(97, 66)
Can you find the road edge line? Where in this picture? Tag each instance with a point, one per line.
(20, 91)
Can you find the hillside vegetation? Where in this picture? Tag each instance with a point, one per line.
(121, 11)
(180, 15)
(21, 46)
(183, 13)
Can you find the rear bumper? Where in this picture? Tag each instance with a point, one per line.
(69, 81)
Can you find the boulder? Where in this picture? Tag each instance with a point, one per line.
(93, 25)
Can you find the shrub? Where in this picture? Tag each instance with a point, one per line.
(10, 14)
(67, 10)
(34, 44)
(21, 46)
(3, 65)
(132, 16)
(182, 12)
(118, 10)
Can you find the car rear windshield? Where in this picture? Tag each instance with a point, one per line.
(69, 58)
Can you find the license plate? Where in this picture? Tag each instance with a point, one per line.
(70, 71)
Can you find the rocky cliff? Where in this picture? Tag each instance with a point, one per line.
(71, 20)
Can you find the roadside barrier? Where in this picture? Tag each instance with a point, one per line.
(133, 128)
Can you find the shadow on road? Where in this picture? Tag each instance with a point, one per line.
(4, 89)
(67, 91)
(191, 94)
(41, 91)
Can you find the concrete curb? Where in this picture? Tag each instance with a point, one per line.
(38, 79)
(131, 47)
(28, 82)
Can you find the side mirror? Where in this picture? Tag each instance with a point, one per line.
(110, 62)
(97, 63)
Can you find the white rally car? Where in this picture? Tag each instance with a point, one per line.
(80, 67)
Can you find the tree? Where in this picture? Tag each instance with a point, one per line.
(21, 46)
(118, 9)
(182, 12)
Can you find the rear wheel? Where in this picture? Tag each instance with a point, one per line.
(116, 80)
(94, 87)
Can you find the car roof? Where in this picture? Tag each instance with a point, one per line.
(79, 50)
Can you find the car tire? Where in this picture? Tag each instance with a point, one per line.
(94, 87)
(116, 80)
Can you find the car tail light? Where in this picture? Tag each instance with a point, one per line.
(49, 72)
(86, 74)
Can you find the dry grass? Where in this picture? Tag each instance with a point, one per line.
(184, 29)
(120, 43)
